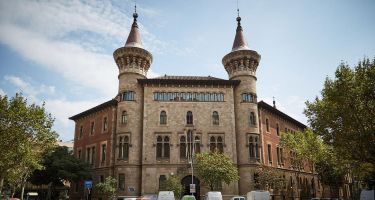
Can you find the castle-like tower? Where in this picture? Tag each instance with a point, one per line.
(133, 62)
(241, 64)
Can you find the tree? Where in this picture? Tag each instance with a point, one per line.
(173, 184)
(307, 149)
(344, 116)
(26, 134)
(60, 166)
(107, 188)
(269, 177)
(215, 168)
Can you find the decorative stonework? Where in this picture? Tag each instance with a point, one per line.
(241, 62)
(133, 60)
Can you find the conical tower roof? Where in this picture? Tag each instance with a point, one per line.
(239, 40)
(134, 38)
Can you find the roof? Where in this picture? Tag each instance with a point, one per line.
(112, 102)
(191, 80)
(239, 40)
(188, 77)
(275, 111)
(134, 38)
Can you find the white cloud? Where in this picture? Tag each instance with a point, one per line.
(61, 109)
(70, 38)
(2, 93)
(30, 91)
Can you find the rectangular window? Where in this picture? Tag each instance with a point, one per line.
(269, 154)
(121, 182)
(92, 128)
(103, 152)
(101, 178)
(278, 155)
(267, 125)
(79, 154)
(105, 124)
(88, 155)
(277, 129)
(123, 151)
(80, 132)
(92, 156)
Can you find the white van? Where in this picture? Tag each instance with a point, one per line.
(214, 196)
(166, 195)
(258, 195)
(367, 195)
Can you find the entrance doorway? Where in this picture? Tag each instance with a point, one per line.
(186, 181)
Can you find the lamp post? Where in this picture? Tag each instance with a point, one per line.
(191, 151)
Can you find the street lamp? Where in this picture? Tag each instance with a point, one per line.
(190, 150)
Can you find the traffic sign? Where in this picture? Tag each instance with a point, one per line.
(88, 184)
(192, 188)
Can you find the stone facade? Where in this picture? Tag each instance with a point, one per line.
(149, 122)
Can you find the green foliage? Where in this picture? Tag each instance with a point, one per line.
(269, 177)
(107, 188)
(344, 116)
(215, 168)
(26, 134)
(173, 183)
(308, 148)
(59, 166)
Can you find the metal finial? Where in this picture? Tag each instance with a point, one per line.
(135, 14)
(238, 10)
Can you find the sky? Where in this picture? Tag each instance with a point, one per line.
(61, 52)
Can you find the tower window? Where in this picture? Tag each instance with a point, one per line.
(163, 117)
(252, 119)
(249, 97)
(215, 118)
(128, 96)
(267, 125)
(124, 117)
(189, 117)
(123, 147)
(253, 145)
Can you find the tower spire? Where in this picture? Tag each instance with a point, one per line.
(239, 40)
(134, 38)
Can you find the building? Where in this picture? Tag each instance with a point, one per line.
(140, 136)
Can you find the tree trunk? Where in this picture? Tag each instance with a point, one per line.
(22, 191)
(1, 184)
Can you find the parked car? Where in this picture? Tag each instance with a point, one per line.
(188, 197)
(258, 195)
(166, 195)
(213, 196)
(238, 198)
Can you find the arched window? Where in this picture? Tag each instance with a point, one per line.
(212, 144)
(252, 119)
(215, 118)
(123, 147)
(183, 147)
(220, 144)
(163, 117)
(124, 117)
(253, 146)
(189, 117)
